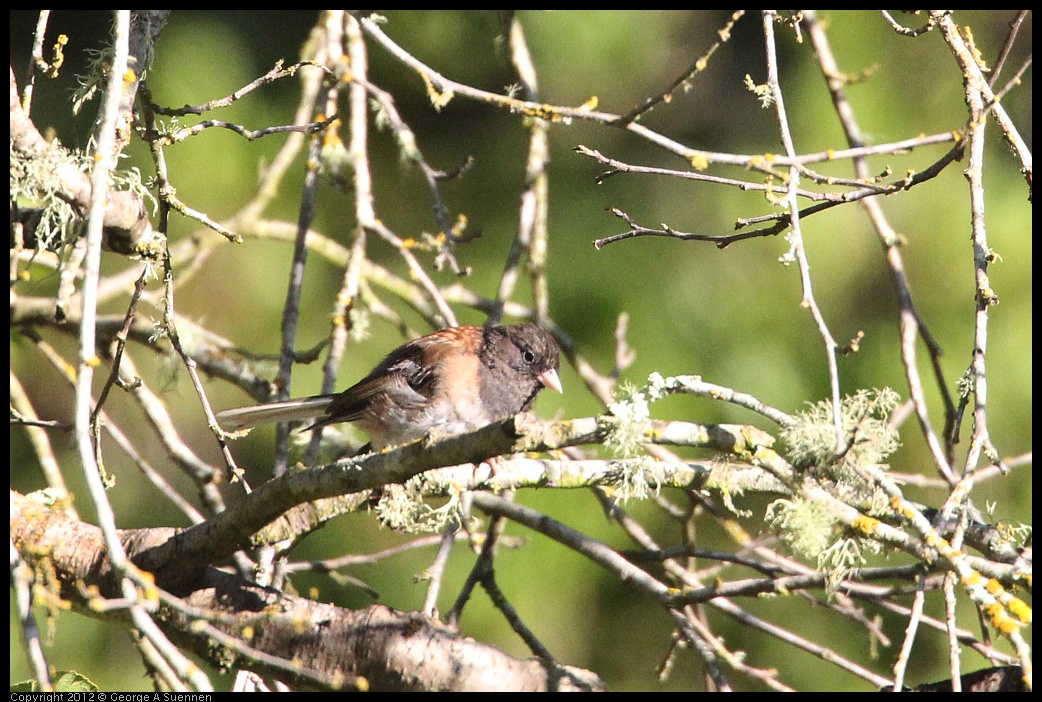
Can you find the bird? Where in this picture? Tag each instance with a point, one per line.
(455, 380)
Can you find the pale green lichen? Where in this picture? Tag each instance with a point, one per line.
(811, 529)
(402, 508)
(867, 440)
(626, 419)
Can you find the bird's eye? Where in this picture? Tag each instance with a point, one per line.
(528, 356)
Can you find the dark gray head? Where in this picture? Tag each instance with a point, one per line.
(518, 361)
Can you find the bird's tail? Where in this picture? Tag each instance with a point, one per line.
(301, 409)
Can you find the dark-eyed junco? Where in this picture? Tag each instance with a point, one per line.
(452, 381)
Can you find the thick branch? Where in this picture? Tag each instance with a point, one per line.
(226, 619)
(127, 227)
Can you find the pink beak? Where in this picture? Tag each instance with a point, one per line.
(550, 380)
